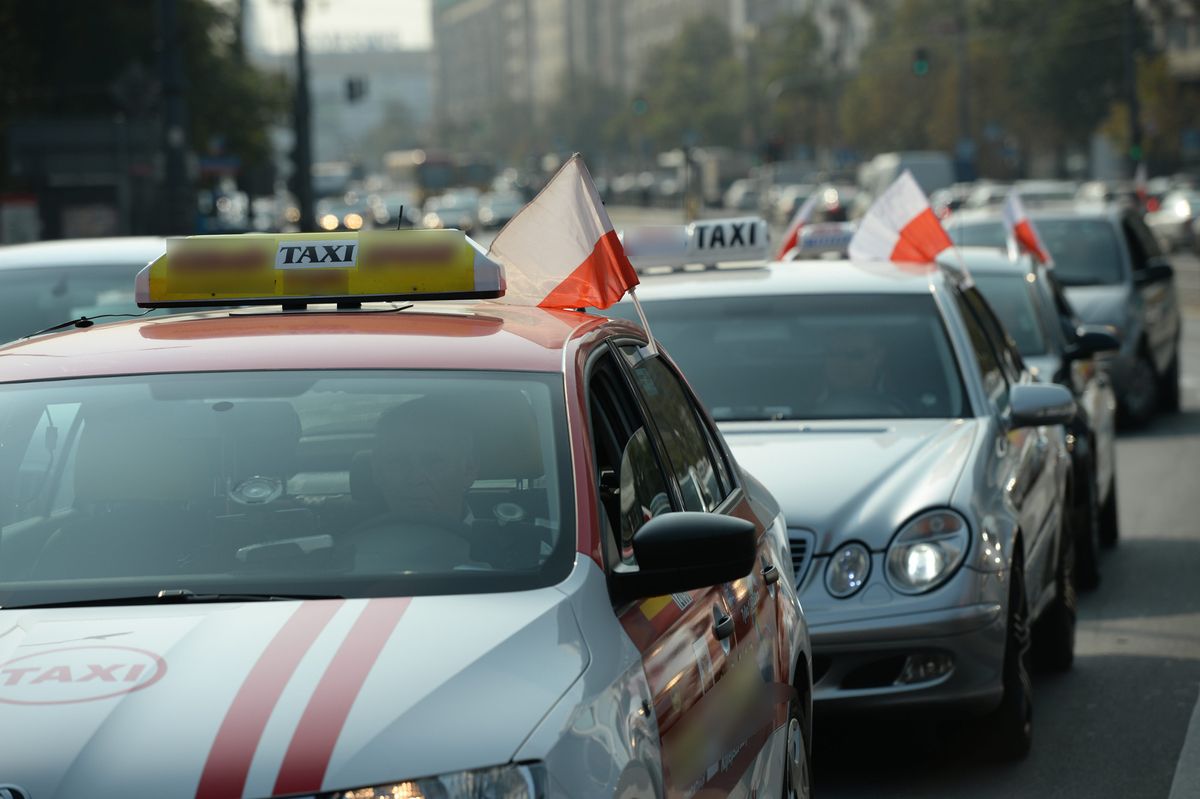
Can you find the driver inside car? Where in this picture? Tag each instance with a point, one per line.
(423, 463)
(853, 377)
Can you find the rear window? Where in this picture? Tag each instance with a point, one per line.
(340, 483)
(812, 356)
(1011, 297)
(1086, 252)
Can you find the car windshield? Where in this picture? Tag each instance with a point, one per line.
(346, 483)
(1012, 299)
(812, 356)
(35, 299)
(1086, 252)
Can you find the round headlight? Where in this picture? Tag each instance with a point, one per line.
(848, 569)
(927, 551)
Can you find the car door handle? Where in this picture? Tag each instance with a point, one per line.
(770, 574)
(722, 624)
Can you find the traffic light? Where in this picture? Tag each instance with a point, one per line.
(356, 89)
(920, 64)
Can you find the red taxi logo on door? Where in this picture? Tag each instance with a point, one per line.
(78, 674)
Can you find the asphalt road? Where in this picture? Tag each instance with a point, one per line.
(1116, 724)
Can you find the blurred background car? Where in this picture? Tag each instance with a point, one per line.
(742, 195)
(349, 211)
(50, 282)
(454, 209)
(1176, 222)
(1114, 274)
(496, 208)
(1058, 348)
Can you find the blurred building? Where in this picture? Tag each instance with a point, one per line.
(537, 52)
(358, 93)
(1175, 27)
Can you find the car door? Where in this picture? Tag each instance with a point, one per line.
(1038, 482)
(680, 636)
(748, 635)
(1159, 299)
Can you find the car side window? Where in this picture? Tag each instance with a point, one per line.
(994, 384)
(1006, 348)
(689, 451)
(631, 482)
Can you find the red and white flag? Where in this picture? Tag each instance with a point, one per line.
(1022, 235)
(1139, 182)
(900, 226)
(799, 220)
(561, 251)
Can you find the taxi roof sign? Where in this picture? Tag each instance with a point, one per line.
(294, 269)
(822, 240)
(707, 242)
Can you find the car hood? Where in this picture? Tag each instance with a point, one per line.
(276, 697)
(854, 480)
(1101, 305)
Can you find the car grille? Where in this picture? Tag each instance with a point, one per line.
(801, 542)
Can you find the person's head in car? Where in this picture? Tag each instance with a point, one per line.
(853, 360)
(424, 462)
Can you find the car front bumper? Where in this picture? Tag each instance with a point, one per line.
(874, 663)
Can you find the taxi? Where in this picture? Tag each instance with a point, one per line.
(348, 541)
(924, 474)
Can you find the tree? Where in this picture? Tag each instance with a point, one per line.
(695, 88)
(66, 59)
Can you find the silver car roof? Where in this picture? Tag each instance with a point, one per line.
(82, 252)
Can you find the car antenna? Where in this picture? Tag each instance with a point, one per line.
(87, 321)
(400, 218)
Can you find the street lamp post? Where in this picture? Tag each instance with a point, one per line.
(302, 159)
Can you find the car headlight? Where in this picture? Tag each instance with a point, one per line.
(848, 570)
(515, 781)
(927, 551)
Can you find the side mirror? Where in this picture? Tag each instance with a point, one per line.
(1040, 404)
(1157, 270)
(686, 550)
(1093, 339)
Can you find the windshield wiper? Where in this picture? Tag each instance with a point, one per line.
(169, 596)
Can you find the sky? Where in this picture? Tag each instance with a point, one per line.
(402, 23)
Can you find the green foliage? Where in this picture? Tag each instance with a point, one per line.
(71, 59)
(695, 88)
(1040, 74)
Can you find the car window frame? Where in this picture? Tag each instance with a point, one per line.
(610, 547)
(966, 319)
(717, 454)
(1002, 343)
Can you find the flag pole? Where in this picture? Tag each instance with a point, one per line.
(651, 347)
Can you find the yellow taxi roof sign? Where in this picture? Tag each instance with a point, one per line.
(302, 268)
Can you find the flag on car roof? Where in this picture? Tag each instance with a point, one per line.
(560, 250)
(1021, 234)
(799, 220)
(900, 226)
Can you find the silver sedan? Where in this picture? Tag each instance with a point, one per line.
(923, 473)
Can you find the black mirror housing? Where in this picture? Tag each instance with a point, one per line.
(1093, 339)
(1036, 404)
(686, 550)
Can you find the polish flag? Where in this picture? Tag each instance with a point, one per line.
(1139, 182)
(561, 251)
(799, 220)
(1022, 235)
(900, 226)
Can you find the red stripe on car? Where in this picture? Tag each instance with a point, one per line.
(308, 754)
(237, 739)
